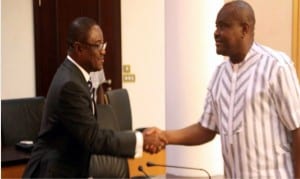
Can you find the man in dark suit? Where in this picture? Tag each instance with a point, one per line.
(69, 133)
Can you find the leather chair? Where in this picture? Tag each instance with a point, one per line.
(20, 119)
(119, 100)
(104, 166)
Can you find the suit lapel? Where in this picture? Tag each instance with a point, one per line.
(77, 75)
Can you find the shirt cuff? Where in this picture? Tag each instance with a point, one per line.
(139, 145)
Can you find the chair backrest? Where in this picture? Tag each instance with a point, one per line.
(107, 118)
(119, 100)
(104, 166)
(20, 119)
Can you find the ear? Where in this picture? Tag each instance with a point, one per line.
(77, 47)
(245, 29)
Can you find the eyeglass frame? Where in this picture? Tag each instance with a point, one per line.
(101, 46)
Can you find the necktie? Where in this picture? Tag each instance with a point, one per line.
(92, 94)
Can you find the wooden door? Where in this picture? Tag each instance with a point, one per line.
(51, 22)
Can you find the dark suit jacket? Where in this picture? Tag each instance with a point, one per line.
(69, 133)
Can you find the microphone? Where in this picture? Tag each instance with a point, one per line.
(151, 164)
(141, 169)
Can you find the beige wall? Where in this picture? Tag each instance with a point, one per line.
(190, 62)
(143, 48)
(274, 23)
(17, 69)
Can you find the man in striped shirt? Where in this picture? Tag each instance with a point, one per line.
(253, 103)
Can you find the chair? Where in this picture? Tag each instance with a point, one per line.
(20, 119)
(104, 165)
(119, 100)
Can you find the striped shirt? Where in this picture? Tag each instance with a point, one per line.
(254, 107)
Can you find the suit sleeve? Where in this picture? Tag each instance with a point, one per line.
(77, 117)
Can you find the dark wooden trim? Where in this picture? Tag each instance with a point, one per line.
(110, 13)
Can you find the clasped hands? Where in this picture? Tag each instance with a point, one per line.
(154, 140)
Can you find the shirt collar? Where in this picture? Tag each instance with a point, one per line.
(85, 73)
(236, 66)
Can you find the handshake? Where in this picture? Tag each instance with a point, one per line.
(154, 140)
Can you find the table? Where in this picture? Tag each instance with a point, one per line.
(13, 162)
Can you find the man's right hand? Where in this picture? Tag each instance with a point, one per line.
(154, 140)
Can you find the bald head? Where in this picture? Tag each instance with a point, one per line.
(240, 11)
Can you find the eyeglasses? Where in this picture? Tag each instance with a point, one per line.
(100, 46)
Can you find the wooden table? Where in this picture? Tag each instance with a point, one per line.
(159, 158)
(13, 162)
